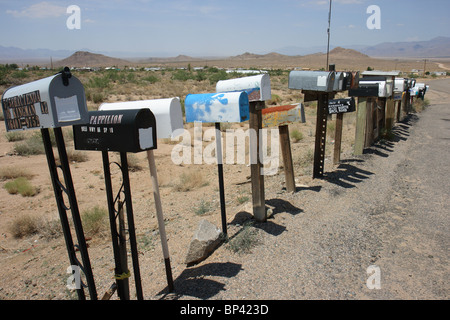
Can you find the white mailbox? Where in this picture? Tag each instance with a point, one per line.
(257, 87)
(167, 112)
(322, 81)
(217, 107)
(51, 102)
(400, 84)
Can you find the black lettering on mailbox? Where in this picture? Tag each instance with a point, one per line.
(341, 106)
(20, 111)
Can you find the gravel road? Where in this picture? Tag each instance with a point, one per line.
(387, 209)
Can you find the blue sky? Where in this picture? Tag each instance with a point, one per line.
(213, 27)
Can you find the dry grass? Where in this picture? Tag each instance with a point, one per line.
(23, 226)
(14, 172)
(190, 181)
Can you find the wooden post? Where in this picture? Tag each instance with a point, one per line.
(281, 117)
(287, 158)
(390, 113)
(371, 122)
(338, 138)
(361, 115)
(321, 134)
(160, 218)
(255, 124)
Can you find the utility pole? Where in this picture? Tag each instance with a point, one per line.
(328, 31)
(424, 66)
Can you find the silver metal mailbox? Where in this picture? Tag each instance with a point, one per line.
(257, 87)
(322, 81)
(52, 102)
(338, 82)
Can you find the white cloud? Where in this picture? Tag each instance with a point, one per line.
(39, 10)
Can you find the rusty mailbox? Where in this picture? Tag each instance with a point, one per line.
(131, 130)
(51, 102)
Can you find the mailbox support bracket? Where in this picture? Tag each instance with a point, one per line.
(59, 189)
(113, 214)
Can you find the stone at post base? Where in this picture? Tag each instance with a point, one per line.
(205, 240)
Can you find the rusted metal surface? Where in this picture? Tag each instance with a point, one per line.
(282, 115)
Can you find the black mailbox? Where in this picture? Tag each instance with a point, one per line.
(341, 105)
(364, 90)
(131, 130)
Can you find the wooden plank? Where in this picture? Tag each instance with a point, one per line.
(371, 122)
(258, 197)
(390, 113)
(282, 115)
(338, 138)
(287, 158)
(160, 218)
(360, 132)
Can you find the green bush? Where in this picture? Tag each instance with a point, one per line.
(151, 79)
(182, 75)
(22, 186)
(217, 76)
(296, 135)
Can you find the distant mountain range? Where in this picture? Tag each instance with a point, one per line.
(435, 48)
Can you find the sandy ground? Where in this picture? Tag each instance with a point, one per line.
(387, 208)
